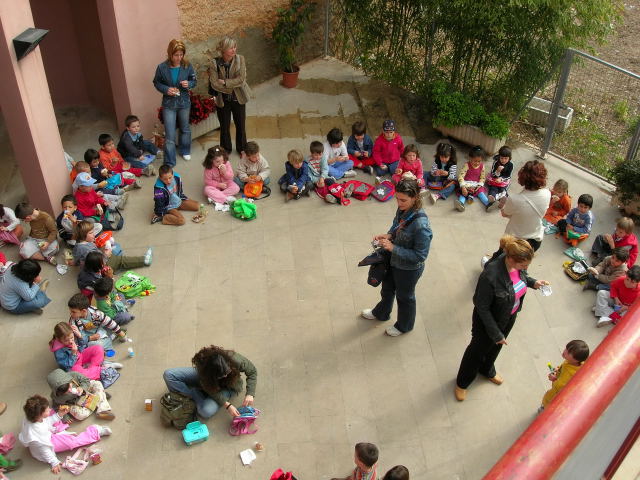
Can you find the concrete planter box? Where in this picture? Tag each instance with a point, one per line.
(539, 110)
(473, 136)
(205, 126)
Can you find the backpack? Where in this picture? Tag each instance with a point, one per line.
(361, 190)
(177, 410)
(132, 284)
(340, 191)
(280, 474)
(242, 425)
(384, 191)
(112, 220)
(257, 190)
(243, 209)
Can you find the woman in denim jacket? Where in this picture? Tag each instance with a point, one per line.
(174, 78)
(498, 298)
(408, 240)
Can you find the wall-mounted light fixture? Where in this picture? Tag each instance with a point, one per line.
(27, 41)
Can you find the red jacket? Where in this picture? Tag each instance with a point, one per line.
(629, 240)
(87, 202)
(385, 151)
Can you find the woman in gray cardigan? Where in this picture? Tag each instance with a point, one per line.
(228, 84)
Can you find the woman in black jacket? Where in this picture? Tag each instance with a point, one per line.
(498, 298)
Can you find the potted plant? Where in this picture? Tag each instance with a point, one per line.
(458, 116)
(287, 33)
(626, 176)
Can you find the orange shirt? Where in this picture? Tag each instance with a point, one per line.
(111, 160)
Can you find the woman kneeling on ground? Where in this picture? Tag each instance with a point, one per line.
(213, 380)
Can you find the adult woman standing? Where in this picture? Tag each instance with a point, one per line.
(526, 208)
(408, 242)
(174, 78)
(22, 290)
(213, 380)
(228, 79)
(498, 298)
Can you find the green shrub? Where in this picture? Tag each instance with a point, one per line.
(626, 176)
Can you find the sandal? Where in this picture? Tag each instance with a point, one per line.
(199, 218)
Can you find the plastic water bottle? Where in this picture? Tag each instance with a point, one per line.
(130, 352)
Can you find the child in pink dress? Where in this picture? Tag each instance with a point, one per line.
(43, 432)
(219, 186)
(410, 164)
(471, 179)
(10, 228)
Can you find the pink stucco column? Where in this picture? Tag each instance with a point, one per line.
(28, 112)
(136, 35)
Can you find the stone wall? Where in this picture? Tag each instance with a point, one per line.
(205, 22)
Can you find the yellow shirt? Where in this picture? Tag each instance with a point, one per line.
(566, 372)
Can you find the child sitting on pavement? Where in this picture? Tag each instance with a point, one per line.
(92, 325)
(72, 353)
(92, 271)
(444, 172)
(360, 147)
(612, 267)
(112, 303)
(623, 237)
(100, 174)
(43, 432)
(219, 186)
(113, 161)
(69, 219)
(411, 165)
(169, 198)
(73, 389)
(318, 166)
(85, 244)
(10, 228)
(576, 227)
(335, 152)
(499, 177)
(560, 203)
(471, 179)
(611, 305)
(387, 149)
(575, 354)
(296, 181)
(366, 459)
(132, 145)
(41, 243)
(252, 167)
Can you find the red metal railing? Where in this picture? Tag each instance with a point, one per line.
(543, 447)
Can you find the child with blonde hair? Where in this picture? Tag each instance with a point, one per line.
(622, 237)
(219, 186)
(73, 354)
(560, 203)
(296, 181)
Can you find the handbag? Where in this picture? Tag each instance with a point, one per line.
(78, 462)
(257, 190)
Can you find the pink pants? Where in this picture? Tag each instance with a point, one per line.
(63, 441)
(8, 237)
(220, 196)
(92, 357)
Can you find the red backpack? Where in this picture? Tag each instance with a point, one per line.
(361, 190)
(384, 191)
(341, 191)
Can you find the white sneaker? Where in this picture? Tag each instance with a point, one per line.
(349, 174)
(434, 198)
(393, 331)
(104, 431)
(113, 365)
(368, 314)
(148, 256)
(231, 199)
(459, 205)
(378, 180)
(210, 200)
(604, 321)
(484, 260)
(186, 157)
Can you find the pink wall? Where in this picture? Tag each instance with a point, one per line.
(60, 52)
(136, 35)
(27, 107)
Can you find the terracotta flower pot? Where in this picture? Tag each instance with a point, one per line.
(290, 80)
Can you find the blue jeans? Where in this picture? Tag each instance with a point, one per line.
(481, 196)
(399, 285)
(169, 116)
(147, 147)
(25, 306)
(391, 168)
(337, 169)
(185, 380)
(240, 183)
(445, 192)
